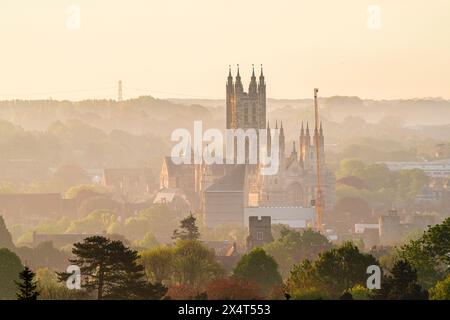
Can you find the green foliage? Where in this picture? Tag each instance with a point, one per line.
(401, 284)
(334, 271)
(188, 229)
(27, 287)
(360, 292)
(441, 291)
(257, 266)
(429, 255)
(158, 263)
(112, 270)
(147, 242)
(437, 241)
(82, 189)
(226, 231)
(384, 187)
(6, 187)
(43, 255)
(51, 289)
(292, 247)
(343, 268)
(5, 236)
(99, 202)
(158, 220)
(194, 264)
(10, 267)
(96, 222)
(422, 260)
(310, 293)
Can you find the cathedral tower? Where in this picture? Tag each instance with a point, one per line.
(246, 110)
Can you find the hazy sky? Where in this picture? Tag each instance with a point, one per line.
(182, 48)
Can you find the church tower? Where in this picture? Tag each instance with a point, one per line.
(246, 110)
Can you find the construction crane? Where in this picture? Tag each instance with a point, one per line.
(318, 201)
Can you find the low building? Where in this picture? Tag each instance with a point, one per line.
(61, 240)
(294, 217)
(434, 169)
(226, 253)
(175, 199)
(369, 233)
(132, 183)
(392, 230)
(28, 208)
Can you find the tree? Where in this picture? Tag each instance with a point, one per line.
(335, 271)
(423, 261)
(360, 292)
(10, 267)
(111, 269)
(310, 294)
(43, 255)
(194, 264)
(97, 221)
(189, 229)
(181, 292)
(441, 291)
(51, 289)
(232, 288)
(260, 268)
(292, 247)
(401, 284)
(27, 286)
(429, 255)
(437, 241)
(5, 236)
(158, 263)
(149, 241)
(342, 268)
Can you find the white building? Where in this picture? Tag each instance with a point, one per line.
(435, 169)
(294, 217)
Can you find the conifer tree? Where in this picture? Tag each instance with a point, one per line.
(27, 285)
(189, 229)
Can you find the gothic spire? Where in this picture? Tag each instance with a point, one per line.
(252, 88)
(238, 83)
(230, 77)
(261, 84)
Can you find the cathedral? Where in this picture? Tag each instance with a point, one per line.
(223, 192)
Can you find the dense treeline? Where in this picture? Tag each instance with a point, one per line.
(189, 270)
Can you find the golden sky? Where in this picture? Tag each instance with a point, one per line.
(182, 48)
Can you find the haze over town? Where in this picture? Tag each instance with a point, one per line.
(94, 203)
